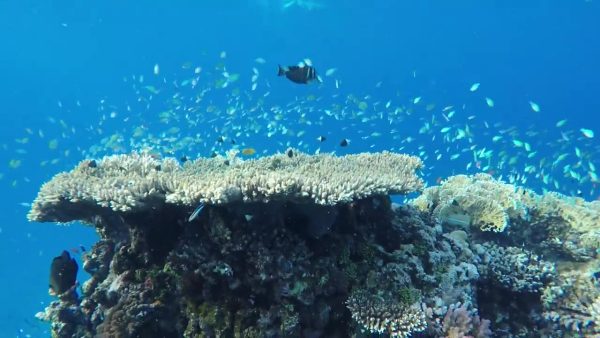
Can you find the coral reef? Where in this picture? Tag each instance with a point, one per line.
(562, 225)
(526, 264)
(295, 245)
(477, 200)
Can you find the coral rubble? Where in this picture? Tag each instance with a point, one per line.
(294, 245)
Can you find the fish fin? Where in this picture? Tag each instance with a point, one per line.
(281, 71)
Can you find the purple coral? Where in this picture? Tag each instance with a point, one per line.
(459, 322)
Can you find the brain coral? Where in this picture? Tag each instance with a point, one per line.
(124, 183)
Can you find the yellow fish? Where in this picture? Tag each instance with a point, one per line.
(248, 151)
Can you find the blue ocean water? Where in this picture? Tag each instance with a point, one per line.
(72, 76)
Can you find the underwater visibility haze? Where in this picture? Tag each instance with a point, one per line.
(300, 168)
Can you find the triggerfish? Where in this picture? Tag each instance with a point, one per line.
(302, 73)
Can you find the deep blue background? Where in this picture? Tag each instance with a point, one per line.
(68, 50)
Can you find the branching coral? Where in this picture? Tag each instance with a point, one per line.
(283, 239)
(377, 314)
(136, 182)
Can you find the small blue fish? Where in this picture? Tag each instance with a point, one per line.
(196, 212)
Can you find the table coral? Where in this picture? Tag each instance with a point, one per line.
(138, 182)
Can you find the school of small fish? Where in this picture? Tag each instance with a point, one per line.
(196, 110)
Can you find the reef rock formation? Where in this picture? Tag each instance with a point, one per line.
(294, 245)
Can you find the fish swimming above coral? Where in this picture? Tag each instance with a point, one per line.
(63, 273)
(303, 73)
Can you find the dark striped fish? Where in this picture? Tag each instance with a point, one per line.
(302, 74)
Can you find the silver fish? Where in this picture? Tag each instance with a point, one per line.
(196, 212)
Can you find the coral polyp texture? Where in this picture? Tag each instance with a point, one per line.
(297, 245)
(125, 183)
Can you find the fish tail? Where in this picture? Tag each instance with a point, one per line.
(281, 71)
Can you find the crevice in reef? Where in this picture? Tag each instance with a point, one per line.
(518, 309)
(157, 231)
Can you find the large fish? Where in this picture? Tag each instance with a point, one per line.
(302, 74)
(63, 273)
